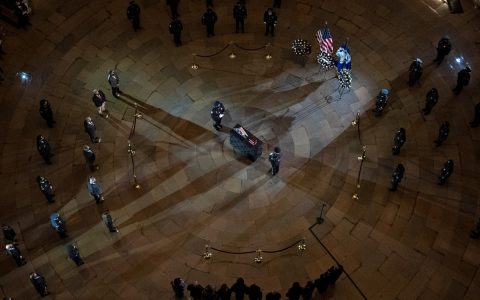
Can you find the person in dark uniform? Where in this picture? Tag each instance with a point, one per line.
(294, 292)
(398, 141)
(446, 172)
(442, 133)
(463, 78)
(224, 293)
(239, 13)
(58, 224)
(397, 177)
(44, 149)
(270, 21)
(443, 48)
(91, 130)
(95, 189)
(46, 112)
(133, 14)
(209, 19)
(8, 232)
(90, 157)
(195, 290)
(217, 113)
(430, 101)
(415, 72)
(173, 7)
(99, 100)
(74, 254)
(39, 283)
(21, 11)
(274, 159)
(46, 188)
(107, 219)
(12, 250)
(178, 286)
(381, 102)
(476, 117)
(176, 28)
(239, 288)
(114, 82)
(308, 291)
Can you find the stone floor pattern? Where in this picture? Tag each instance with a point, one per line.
(411, 244)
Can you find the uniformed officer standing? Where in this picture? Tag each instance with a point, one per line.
(107, 219)
(74, 254)
(38, 281)
(397, 177)
(446, 171)
(176, 28)
(476, 118)
(217, 114)
(173, 7)
(46, 188)
(415, 72)
(209, 19)
(442, 133)
(381, 102)
(133, 14)
(44, 149)
(21, 11)
(463, 78)
(274, 159)
(430, 101)
(95, 189)
(90, 158)
(114, 82)
(443, 48)
(99, 100)
(8, 232)
(398, 141)
(46, 112)
(239, 13)
(12, 250)
(270, 21)
(91, 130)
(58, 224)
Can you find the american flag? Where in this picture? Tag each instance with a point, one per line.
(325, 40)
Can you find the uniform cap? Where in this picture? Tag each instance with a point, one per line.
(92, 180)
(419, 60)
(86, 148)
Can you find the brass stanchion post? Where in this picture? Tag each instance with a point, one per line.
(136, 115)
(361, 158)
(131, 152)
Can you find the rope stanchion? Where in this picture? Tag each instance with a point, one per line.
(214, 54)
(249, 49)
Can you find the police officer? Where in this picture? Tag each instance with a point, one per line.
(442, 133)
(398, 141)
(114, 82)
(107, 219)
(443, 48)
(12, 250)
(176, 28)
(209, 19)
(173, 7)
(239, 13)
(58, 224)
(430, 101)
(446, 171)
(270, 21)
(39, 283)
(90, 158)
(133, 14)
(44, 149)
(74, 254)
(46, 112)
(91, 130)
(397, 177)
(46, 188)
(95, 189)
(217, 114)
(381, 102)
(415, 72)
(99, 100)
(476, 118)
(8, 232)
(274, 159)
(463, 78)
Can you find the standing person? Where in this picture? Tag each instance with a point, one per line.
(254, 292)
(195, 290)
(446, 172)
(44, 149)
(239, 289)
(277, 3)
(21, 10)
(397, 177)
(294, 292)
(176, 28)
(74, 254)
(415, 71)
(217, 113)
(270, 21)
(46, 112)
(58, 224)
(12, 250)
(91, 129)
(463, 78)
(308, 291)
(46, 188)
(224, 293)
(178, 286)
(90, 158)
(209, 19)
(476, 117)
(274, 159)
(240, 14)
(442, 133)
(95, 189)
(398, 141)
(443, 48)
(133, 14)
(99, 100)
(38, 281)
(173, 7)
(431, 101)
(114, 82)
(8, 233)
(107, 219)
(381, 102)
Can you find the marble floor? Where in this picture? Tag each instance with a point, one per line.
(195, 191)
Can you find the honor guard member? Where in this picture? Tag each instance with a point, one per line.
(217, 113)
(463, 78)
(442, 133)
(21, 11)
(274, 159)
(107, 219)
(46, 188)
(90, 158)
(44, 149)
(99, 100)
(415, 72)
(133, 14)
(178, 286)
(74, 254)
(91, 130)
(381, 102)
(39, 283)
(476, 118)
(398, 141)
(12, 250)
(446, 171)
(443, 48)
(430, 101)
(95, 189)
(270, 21)
(46, 112)
(173, 7)
(397, 177)
(114, 82)
(8, 232)
(209, 19)
(239, 13)
(58, 224)
(176, 28)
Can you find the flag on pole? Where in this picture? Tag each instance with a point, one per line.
(325, 40)
(344, 58)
